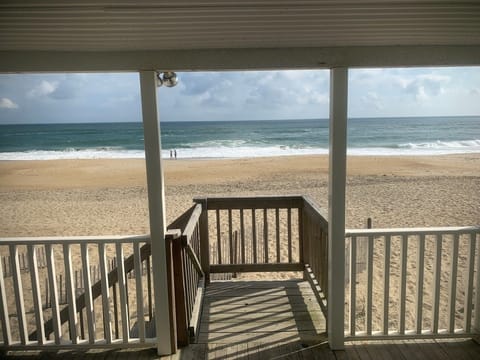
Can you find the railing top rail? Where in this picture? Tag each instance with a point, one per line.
(251, 202)
(413, 231)
(75, 239)
(311, 205)
(192, 222)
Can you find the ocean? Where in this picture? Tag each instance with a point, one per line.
(240, 139)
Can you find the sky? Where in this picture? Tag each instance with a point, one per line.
(253, 95)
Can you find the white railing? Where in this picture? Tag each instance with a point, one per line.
(84, 291)
(422, 282)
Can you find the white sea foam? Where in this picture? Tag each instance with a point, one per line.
(218, 152)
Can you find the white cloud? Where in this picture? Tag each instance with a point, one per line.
(43, 89)
(423, 87)
(371, 99)
(6, 103)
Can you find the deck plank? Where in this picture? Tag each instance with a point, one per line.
(274, 320)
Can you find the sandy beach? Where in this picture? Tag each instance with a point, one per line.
(93, 197)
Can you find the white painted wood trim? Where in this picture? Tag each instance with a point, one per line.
(469, 284)
(37, 300)
(52, 284)
(437, 270)
(403, 283)
(477, 287)
(386, 283)
(336, 206)
(240, 59)
(353, 285)
(139, 285)
(369, 304)
(89, 308)
(452, 286)
(107, 324)
(6, 332)
(412, 231)
(18, 290)
(420, 276)
(69, 287)
(43, 240)
(122, 288)
(156, 205)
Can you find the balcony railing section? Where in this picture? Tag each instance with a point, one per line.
(253, 234)
(265, 234)
(422, 282)
(315, 249)
(77, 292)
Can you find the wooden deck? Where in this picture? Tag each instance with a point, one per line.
(275, 320)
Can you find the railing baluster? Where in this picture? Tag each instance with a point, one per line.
(477, 285)
(230, 235)
(107, 326)
(386, 283)
(420, 275)
(437, 269)
(149, 287)
(301, 235)
(254, 236)
(122, 288)
(18, 290)
(353, 285)
(265, 235)
(37, 299)
(219, 239)
(469, 283)
(52, 284)
(452, 296)
(242, 235)
(277, 232)
(403, 282)
(369, 304)
(139, 288)
(69, 288)
(87, 285)
(289, 234)
(4, 318)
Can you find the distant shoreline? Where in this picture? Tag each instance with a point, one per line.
(34, 174)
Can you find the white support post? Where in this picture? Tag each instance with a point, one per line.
(156, 205)
(336, 206)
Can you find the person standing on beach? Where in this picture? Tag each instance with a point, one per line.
(171, 154)
(175, 152)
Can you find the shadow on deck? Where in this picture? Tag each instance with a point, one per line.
(282, 320)
(273, 320)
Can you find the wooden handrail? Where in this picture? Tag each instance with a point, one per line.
(251, 202)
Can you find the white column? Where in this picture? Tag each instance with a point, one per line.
(156, 205)
(336, 206)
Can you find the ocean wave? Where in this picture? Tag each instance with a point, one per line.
(70, 153)
(460, 144)
(219, 152)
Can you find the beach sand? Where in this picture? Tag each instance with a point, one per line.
(100, 197)
(103, 197)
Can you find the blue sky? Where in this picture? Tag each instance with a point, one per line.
(44, 98)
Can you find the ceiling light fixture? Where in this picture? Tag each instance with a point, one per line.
(167, 78)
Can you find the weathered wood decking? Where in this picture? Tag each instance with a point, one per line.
(275, 320)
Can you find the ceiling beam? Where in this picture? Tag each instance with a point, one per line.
(239, 59)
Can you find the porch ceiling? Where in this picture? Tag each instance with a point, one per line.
(231, 34)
